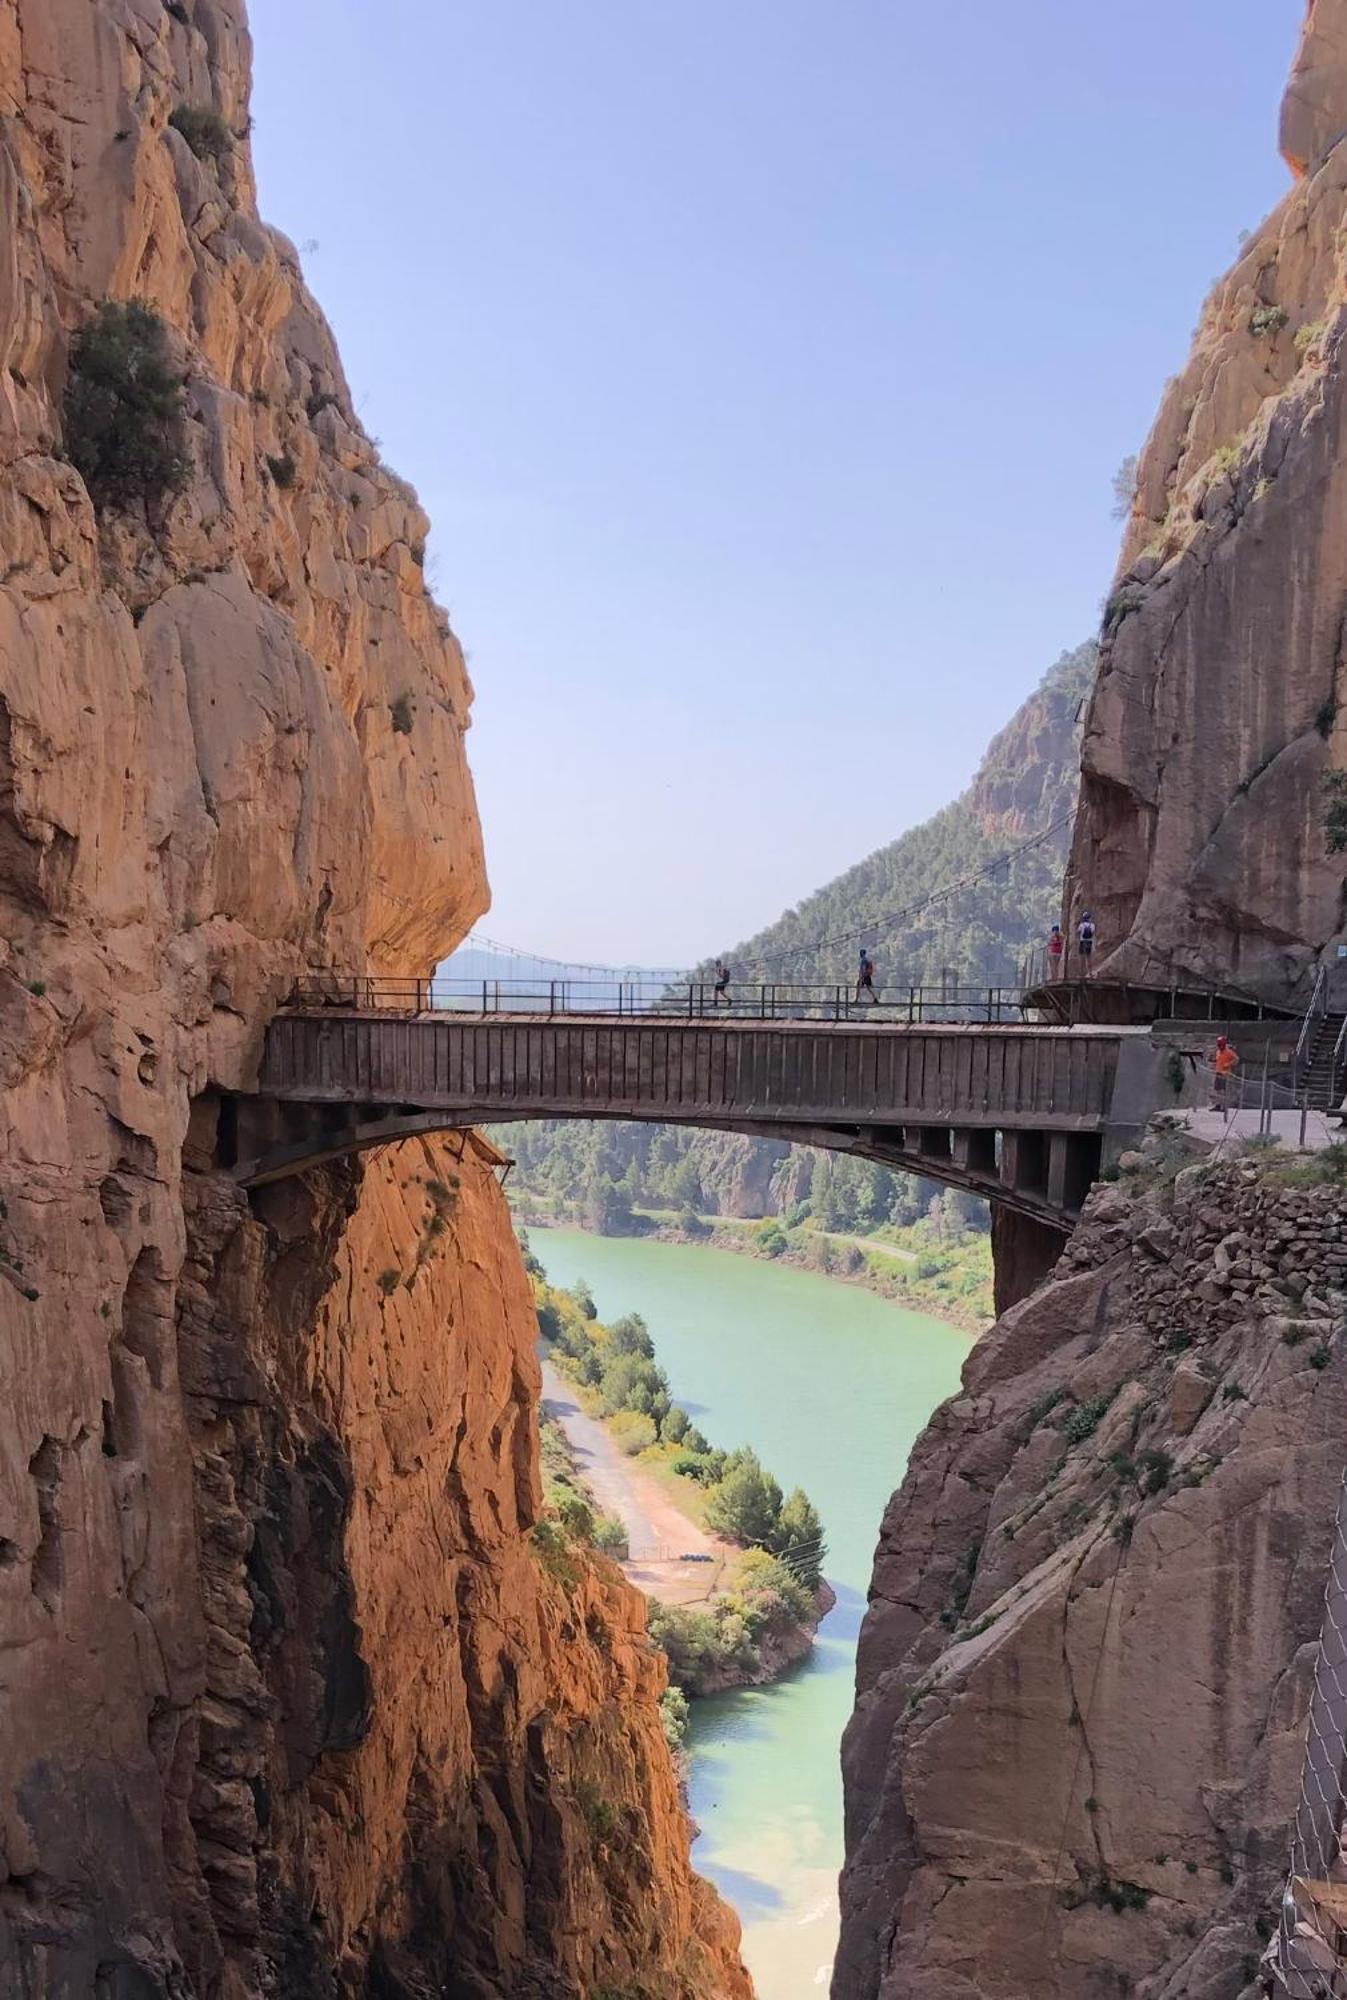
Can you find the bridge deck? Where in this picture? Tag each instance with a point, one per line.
(1021, 1114)
(822, 1072)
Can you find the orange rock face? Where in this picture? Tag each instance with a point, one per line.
(287, 1703)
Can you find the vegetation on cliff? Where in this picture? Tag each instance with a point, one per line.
(124, 429)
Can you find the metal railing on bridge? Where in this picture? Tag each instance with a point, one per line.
(690, 999)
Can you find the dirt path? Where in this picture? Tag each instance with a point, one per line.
(658, 1532)
(875, 1243)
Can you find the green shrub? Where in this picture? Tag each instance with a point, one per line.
(1156, 1468)
(1333, 810)
(204, 129)
(576, 1517)
(178, 11)
(1319, 1357)
(282, 469)
(1084, 1420)
(770, 1238)
(797, 1538)
(403, 715)
(389, 1281)
(320, 400)
(550, 1544)
(1309, 336)
(1326, 715)
(634, 1432)
(634, 1382)
(1264, 320)
(673, 1715)
(124, 429)
(631, 1335)
(610, 1536)
(746, 1504)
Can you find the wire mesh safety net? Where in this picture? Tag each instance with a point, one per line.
(1309, 1955)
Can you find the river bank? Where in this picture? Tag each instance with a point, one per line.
(673, 1559)
(951, 1281)
(831, 1385)
(731, 1567)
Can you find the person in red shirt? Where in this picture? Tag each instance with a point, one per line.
(1225, 1063)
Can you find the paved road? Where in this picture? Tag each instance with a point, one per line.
(652, 1521)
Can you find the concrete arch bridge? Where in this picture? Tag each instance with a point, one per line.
(949, 1083)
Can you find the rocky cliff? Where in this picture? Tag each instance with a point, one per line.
(1085, 1668)
(1084, 1671)
(287, 1702)
(1216, 744)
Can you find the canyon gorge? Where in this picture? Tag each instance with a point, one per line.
(292, 1700)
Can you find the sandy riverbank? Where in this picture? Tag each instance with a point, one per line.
(658, 1532)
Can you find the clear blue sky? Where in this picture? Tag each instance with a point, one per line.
(764, 365)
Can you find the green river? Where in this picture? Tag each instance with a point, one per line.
(830, 1385)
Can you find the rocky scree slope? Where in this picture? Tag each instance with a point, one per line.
(287, 1703)
(1085, 1668)
(1216, 743)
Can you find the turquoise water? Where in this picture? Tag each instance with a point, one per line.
(830, 1384)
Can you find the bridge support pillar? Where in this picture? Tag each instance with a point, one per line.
(975, 1151)
(934, 1142)
(1073, 1167)
(1024, 1161)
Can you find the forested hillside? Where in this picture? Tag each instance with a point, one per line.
(1026, 784)
(981, 933)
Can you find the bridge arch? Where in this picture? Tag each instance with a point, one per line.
(1024, 1116)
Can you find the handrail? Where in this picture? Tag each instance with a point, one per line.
(1318, 1005)
(741, 1000)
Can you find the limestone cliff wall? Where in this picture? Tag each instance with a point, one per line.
(1084, 1672)
(286, 1702)
(1221, 705)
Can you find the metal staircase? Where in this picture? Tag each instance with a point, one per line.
(1322, 1081)
(1321, 1052)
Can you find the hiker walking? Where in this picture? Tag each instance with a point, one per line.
(865, 978)
(1225, 1063)
(1056, 946)
(721, 990)
(1085, 941)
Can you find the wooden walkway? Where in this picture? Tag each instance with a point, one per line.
(1024, 1115)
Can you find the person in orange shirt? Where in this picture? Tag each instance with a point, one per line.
(1226, 1063)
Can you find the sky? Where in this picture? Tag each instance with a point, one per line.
(764, 366)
